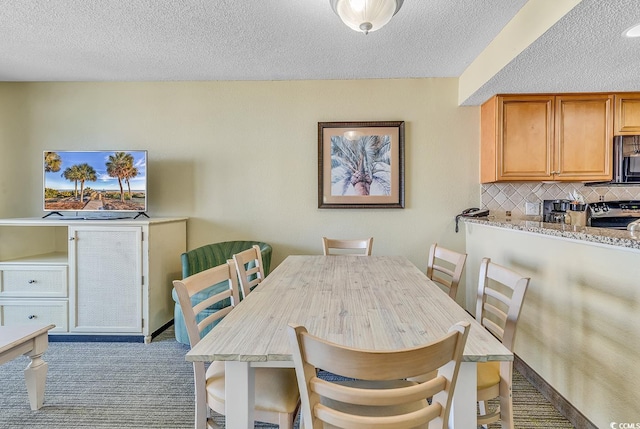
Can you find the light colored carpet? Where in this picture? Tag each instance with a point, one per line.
(132, 385)
(104, 385)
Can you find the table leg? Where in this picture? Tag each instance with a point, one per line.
(35, 374)
(463, 408)
(239, 395)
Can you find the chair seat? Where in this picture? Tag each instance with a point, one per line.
(276, 389)
(488, 374)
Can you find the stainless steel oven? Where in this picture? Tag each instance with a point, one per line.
(614, 214)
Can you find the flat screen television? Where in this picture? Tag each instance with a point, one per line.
(95, 181)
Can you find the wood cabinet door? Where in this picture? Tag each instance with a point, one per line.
(525, 137)
(105, 267)
(627, 114)
(583, 137)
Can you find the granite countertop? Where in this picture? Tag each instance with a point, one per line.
(613, 237)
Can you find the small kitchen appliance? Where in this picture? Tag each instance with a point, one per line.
(555, 211)
(626, 159)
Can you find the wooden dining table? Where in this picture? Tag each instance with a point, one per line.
(372, 302)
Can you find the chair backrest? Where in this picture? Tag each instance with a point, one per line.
(198, 282)
(212, 255)
(249, 268)
(500, 295)
(445, 267)
(383, 374)
(363, 246)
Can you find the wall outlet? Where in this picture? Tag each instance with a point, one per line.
(532, 209)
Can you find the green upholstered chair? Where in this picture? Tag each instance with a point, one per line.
(202, 258)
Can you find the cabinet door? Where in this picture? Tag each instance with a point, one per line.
(627, 114)
(105, 265)
(525, 137)
(584, 137)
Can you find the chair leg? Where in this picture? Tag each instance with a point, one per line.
(482, 408)
(506, 409)
(201, 407)
(506, 402)
(285, 421)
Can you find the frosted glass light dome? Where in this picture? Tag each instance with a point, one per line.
(366, 15)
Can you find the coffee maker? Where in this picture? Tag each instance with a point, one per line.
(555, 211)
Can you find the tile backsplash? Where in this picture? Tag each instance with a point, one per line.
(500, 197)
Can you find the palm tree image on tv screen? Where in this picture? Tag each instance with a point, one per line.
(95, 180)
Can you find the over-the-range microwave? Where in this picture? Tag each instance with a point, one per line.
(626, 159)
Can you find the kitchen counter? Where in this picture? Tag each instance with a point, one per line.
(612, 237)
(579, 329)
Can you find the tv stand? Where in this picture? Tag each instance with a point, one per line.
(90, 277)
(89, 217)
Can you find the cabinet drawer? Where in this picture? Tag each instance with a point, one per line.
(33, 281)
(24, 312)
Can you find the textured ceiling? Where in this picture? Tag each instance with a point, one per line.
(177, 40)
(584, 52)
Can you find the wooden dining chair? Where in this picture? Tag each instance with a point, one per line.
(346, 247)
(445, 267)
(209, 256)
(276, 390)
(377, 394)
(249, 268)
(500, 296)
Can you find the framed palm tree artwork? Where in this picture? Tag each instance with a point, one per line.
(361, 164)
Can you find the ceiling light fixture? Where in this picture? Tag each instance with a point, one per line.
(633, 31)
(352, 135)
(366, 15)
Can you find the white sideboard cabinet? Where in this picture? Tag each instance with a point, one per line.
(90, 277)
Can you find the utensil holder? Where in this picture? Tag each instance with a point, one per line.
(578, 217)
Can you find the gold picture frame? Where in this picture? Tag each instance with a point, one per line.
(361, 164)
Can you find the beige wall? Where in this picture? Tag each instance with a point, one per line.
(14, 201)
(580, 322)
(240, 158)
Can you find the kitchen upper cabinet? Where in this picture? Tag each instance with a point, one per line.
(583, 137)
(546, 137)
(517, 138)
(627, 114)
